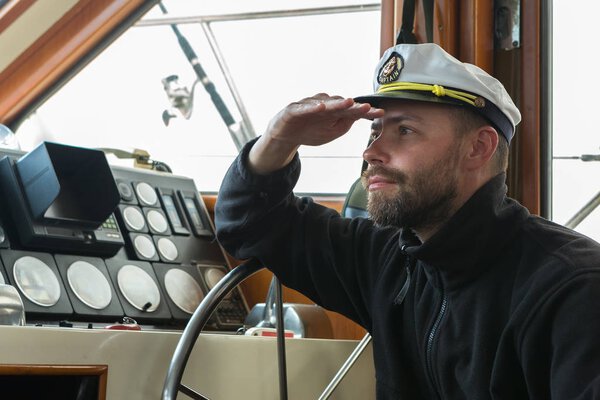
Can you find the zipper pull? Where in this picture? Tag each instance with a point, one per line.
(402, 294)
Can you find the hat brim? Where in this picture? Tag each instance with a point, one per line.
(376, 100)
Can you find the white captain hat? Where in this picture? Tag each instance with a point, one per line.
(425, 72)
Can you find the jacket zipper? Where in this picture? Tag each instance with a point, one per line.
(404, 290)
(433, 333)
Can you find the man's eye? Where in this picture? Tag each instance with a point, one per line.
(404, 130)
(375, 135)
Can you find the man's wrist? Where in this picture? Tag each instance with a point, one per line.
(269, 155)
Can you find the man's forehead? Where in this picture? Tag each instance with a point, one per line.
(398, 117)
(419, 113)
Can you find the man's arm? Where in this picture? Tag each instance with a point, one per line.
(311, 247)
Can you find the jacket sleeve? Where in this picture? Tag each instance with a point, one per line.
(309, 247)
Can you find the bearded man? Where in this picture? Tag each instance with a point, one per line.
(466, 295)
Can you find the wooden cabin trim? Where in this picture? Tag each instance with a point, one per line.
(44, 369)
(477, 33)
(530, 129)
(388, 28)
(446, 22)
(58, 50)
(13, 10)
(60, 370)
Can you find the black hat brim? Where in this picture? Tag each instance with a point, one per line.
(377, 99)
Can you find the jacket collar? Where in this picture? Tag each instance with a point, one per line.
(471, 238)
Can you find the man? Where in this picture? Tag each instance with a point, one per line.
(466, 295)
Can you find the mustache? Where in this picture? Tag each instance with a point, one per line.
(385, 172)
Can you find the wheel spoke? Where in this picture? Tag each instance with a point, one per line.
(191, 392)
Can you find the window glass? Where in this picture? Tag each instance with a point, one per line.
(576, 183)
(117, 101)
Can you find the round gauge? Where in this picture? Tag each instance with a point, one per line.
(138, 288)
(144, 246)
(212, 276)
(89, 285)
(146, 194)
(36, 281)
(134, 218)
(157, 221)
(167, 249)
(125, 191)
(183, 289)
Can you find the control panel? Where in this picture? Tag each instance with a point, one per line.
(152, 256)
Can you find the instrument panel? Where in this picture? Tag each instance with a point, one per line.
(152, 257)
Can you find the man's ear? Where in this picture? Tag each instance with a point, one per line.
(482, 146)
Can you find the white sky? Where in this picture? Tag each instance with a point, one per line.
(576, 132)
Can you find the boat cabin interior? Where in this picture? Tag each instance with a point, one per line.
(118, 121)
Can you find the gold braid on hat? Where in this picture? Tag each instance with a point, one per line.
(437, 90)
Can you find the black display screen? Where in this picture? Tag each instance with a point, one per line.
(171, 211)
(194, 213)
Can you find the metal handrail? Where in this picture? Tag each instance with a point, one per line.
(348, 364)
(259, 15)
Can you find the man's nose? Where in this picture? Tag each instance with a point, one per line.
(376, 152)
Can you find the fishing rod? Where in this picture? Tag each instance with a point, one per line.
(237, 130)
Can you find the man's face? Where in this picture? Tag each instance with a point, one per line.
(413, 174)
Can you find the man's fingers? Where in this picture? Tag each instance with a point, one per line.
(306, 107)
(318, 97)
(332, 102)
(363, 110)
(313, 105)
(375, 113)
(325, 107)
(323, 96)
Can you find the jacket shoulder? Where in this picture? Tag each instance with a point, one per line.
(566, 246)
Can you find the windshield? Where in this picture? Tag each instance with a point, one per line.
(260, 56)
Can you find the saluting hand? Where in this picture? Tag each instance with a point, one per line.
(311, 121)
(318, 119)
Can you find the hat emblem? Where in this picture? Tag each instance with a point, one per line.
(390, 70)
(479, 102)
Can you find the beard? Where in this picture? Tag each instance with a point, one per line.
(422, 201)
